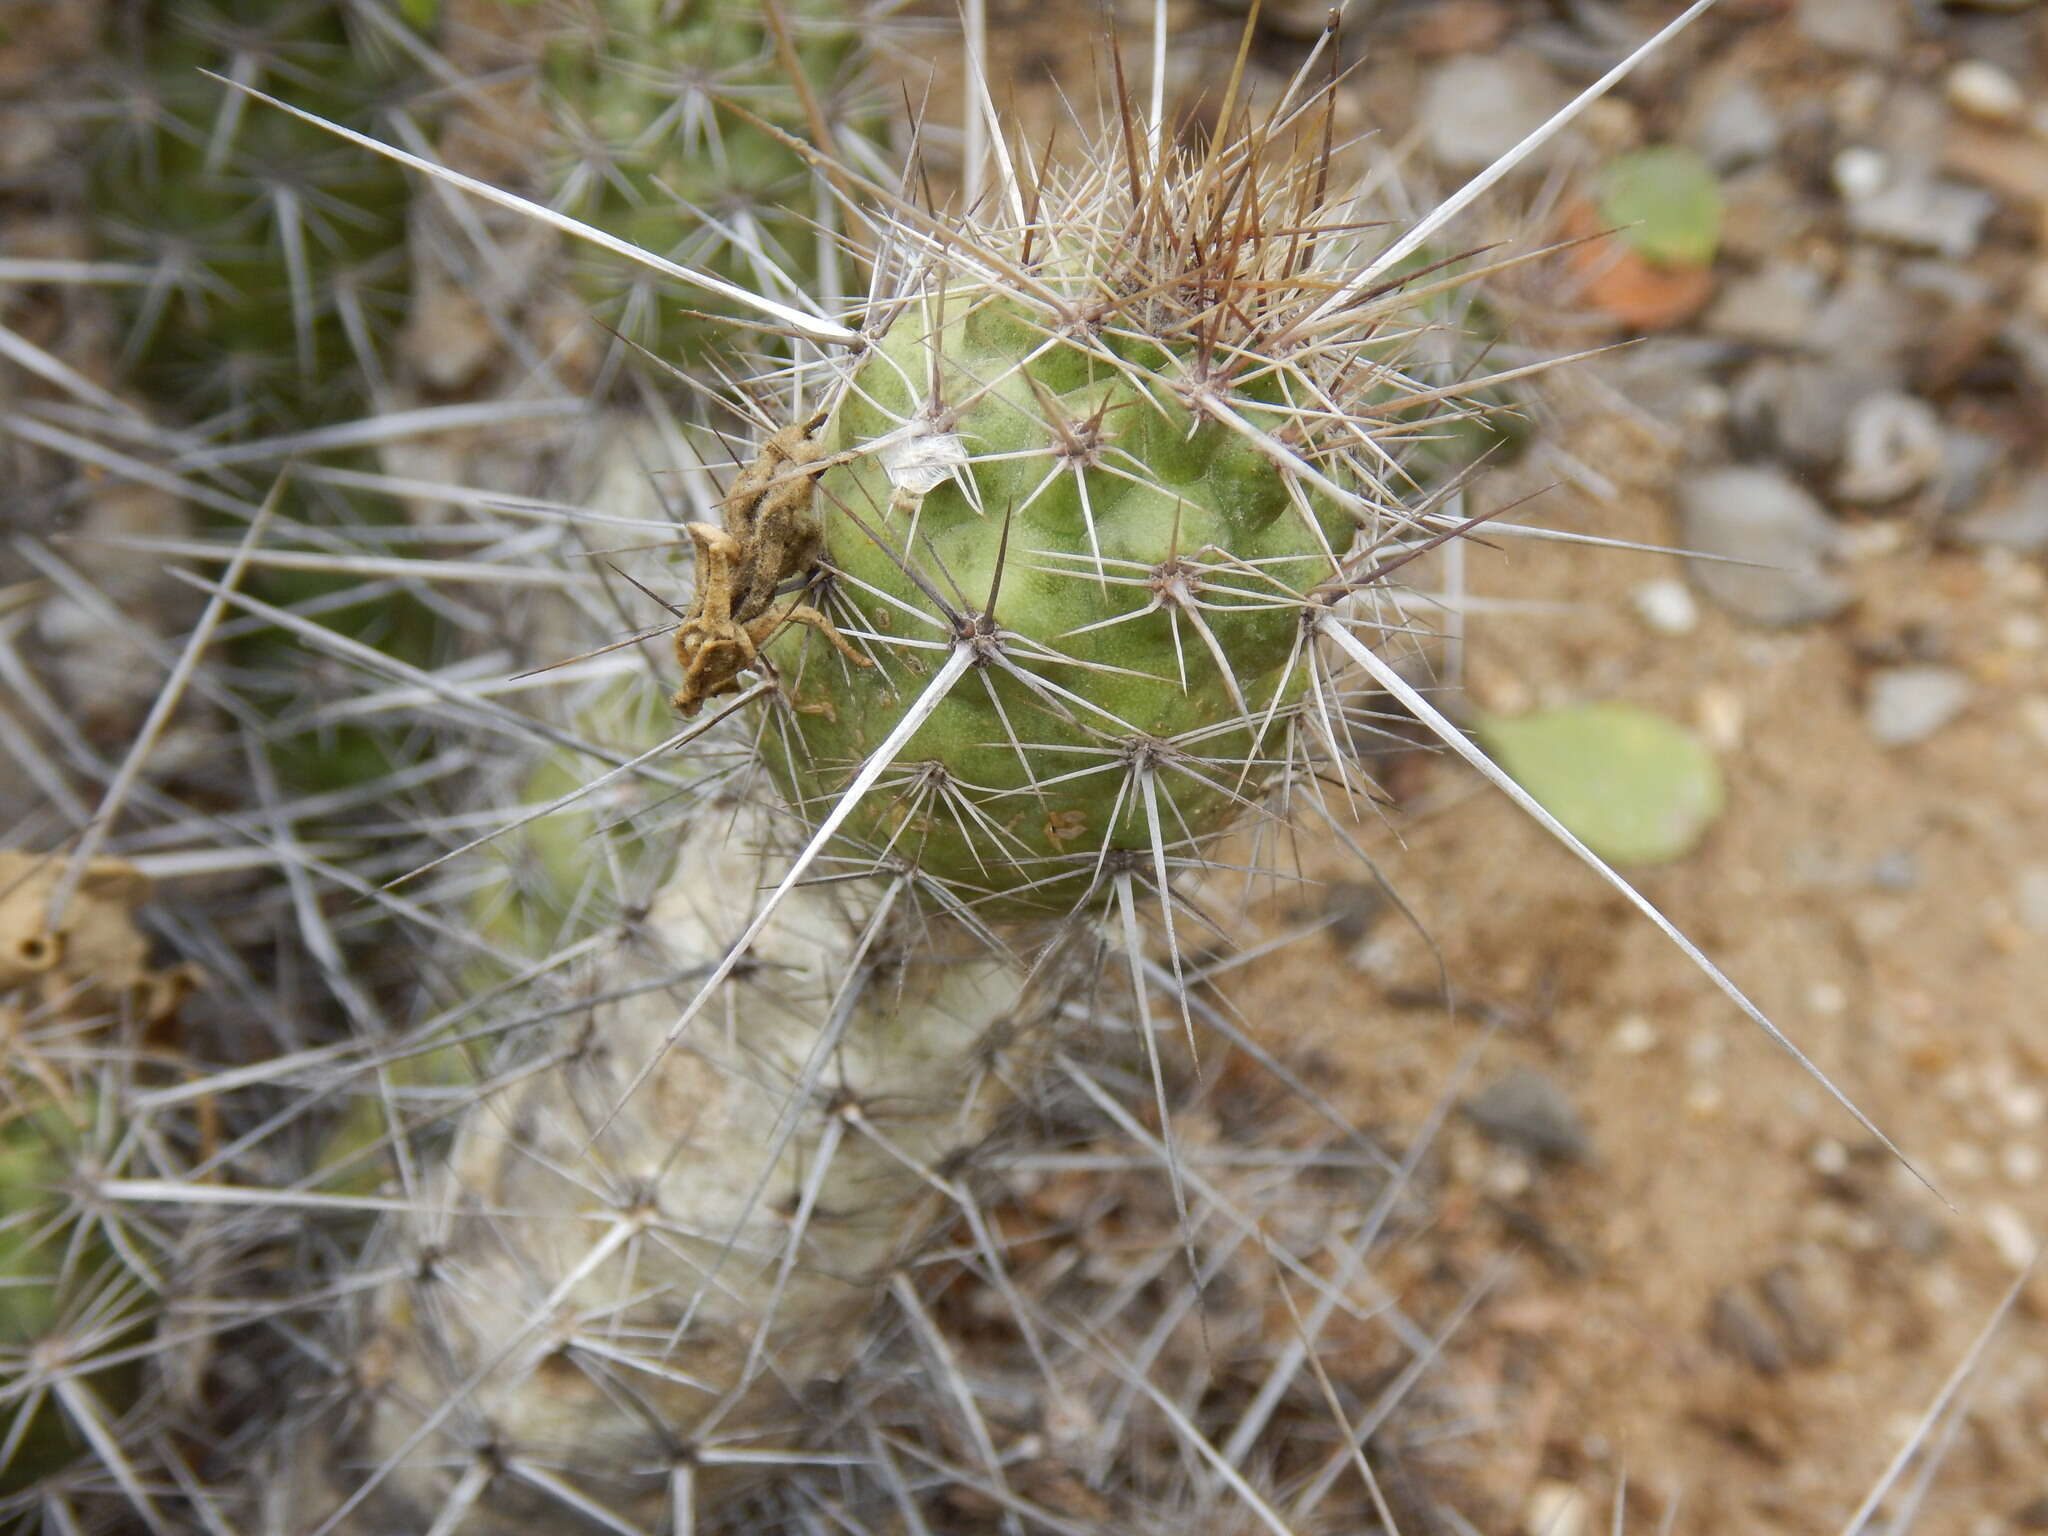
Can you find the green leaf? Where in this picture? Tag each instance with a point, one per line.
(1666, 203)
(1633, 786)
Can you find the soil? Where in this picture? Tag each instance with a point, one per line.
(1716, 1163)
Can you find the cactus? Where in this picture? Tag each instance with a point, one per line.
(78, 1297)
(1078, 518)
(1120, 484)
(1133, 578)
(72, 1318)
(665, 114)
(675, 1289)
(279, 257)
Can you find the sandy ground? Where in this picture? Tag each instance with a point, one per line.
(1720, 1176)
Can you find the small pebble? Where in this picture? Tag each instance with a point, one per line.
(2008, 1232)
(1720, 716)
(1923, 213)
(1733, 126)
(1828, 1158)
(1957, 287)
(2020, 1162)
(1635, 1036)
(1985, 91)
(1825, 997)
(1509, 1177)
(2023, 1105)
(1870, 323)
(1897, 870)
(1477, 107)
(1905, 705)
(1667, 606)
(1705, 404)
(1869, 29)
(1526, 1110)
(1737, 1326)
(1556, 1509)
(1760, 515)
(1969, 460)
(2022, 632)
(1808, 1338)
(1795, 410)
(1892, 446)
(2017, 521)
(2030, 891)
(1773, 306)
(1860, 172)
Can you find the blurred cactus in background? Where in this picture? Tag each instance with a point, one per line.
(277, 257)
(661, 114)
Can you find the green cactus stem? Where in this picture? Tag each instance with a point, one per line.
(1126, 449)
(1144, 568)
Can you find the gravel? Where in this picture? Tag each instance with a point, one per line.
(1904, 705)
(1666, 606)
(1774, 306)
(1892, 445)
(1922, 213)
(1797, 410)
(1476, 107)
(2017, 521)
(1527, 1111)
(1758, 515)
(1864, 29)
(1738, 1326)
(1733, 126)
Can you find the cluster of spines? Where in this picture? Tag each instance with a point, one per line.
(1127, 447)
